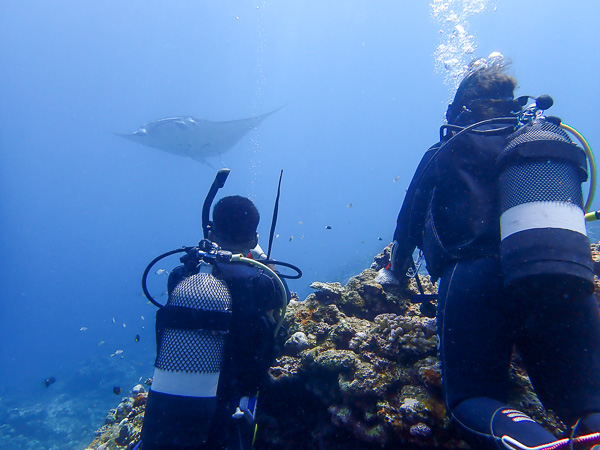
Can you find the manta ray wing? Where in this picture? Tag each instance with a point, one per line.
(192, 137)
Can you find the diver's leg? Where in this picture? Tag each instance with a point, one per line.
(561, 350)
(499, 426)
(476, 324)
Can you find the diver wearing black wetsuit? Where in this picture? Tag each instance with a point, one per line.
(225, 419)
(451, 213)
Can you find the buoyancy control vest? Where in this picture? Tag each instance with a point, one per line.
(544, 243)
(462, 219)
(214, 344)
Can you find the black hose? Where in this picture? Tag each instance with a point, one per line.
(496, 120)
(149, 267)
(274, 262)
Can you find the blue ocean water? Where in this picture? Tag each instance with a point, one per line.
(365, 86)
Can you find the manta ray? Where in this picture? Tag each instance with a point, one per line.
(192, 137)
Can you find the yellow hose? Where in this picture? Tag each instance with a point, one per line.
(253, 262)
(591, 216)
(592, 164)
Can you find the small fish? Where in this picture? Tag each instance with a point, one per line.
(100, 343)
(142, 317)
(117, 390)
(114, 321)
(124, 326)
(118, 352)
(277, 235)
(302, 237)
(291, 238)
(380, 239)
(83, 329)
(350, 205)
(49, 381)
(300, 223)
(161, 272)
(328, 227)
(137, 338)
(396, 178)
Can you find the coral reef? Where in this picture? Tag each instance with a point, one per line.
(358, 370)
(123, 424)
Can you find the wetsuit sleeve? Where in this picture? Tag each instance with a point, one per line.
(411, 219)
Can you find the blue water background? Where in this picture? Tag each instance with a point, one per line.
(83, 211)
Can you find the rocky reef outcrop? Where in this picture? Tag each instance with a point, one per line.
(356, 369)
(123, 424)
(359, 370)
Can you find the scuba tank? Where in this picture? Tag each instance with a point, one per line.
(199, 397)
(191, 333)
(544, 245)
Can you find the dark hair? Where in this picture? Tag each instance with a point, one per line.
(486, 91)
(235, 219)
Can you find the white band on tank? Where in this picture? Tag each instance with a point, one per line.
(527, 216)
(185, 384)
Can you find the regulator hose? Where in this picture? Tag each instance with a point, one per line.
(149, 267)
(592, 164)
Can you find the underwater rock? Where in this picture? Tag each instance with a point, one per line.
(124, 433)
(124, 408)
(296, 343)
(361, 297)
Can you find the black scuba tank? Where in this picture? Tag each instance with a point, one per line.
(192, 331)
(544, 246)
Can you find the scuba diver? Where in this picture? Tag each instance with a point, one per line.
(216, 333)
(496, 209)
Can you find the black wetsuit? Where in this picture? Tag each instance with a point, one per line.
(450, 212)
(248, 354)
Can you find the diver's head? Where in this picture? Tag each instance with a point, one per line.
(234, 223)
(487, 91)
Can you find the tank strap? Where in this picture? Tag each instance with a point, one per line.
(181, 318)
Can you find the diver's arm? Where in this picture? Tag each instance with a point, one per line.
(411, 218)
